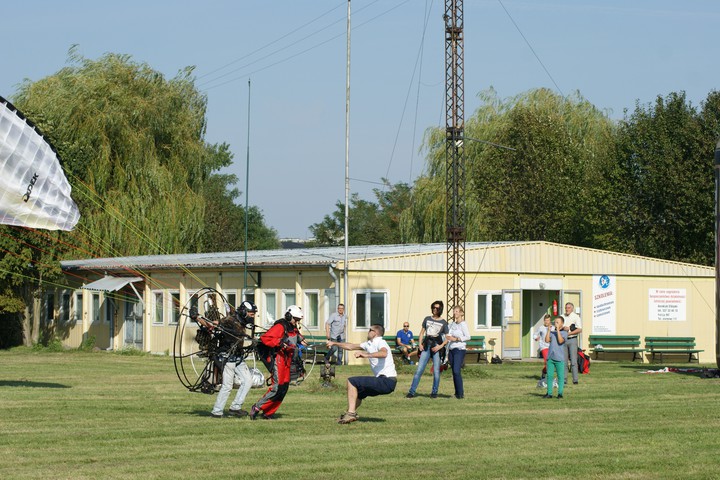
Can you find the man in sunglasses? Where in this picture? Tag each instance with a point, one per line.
(405, 343)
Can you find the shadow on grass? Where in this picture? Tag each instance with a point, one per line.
(686, 369)
(370, 420)
(26, 383)
(206, 413)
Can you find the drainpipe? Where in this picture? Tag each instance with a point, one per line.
(331, 271)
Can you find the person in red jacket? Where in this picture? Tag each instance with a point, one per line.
(277, 348)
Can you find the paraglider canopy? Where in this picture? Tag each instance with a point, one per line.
(33, 189)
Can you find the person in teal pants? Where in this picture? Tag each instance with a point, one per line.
(556, 337)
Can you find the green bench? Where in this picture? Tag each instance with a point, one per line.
(616, 344)
(672, 346)
(392, 341)
(476, 345)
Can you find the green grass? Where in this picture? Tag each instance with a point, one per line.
(94, 415)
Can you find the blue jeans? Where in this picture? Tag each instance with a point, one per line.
(335, 350)
(422, 363)
(457, 357)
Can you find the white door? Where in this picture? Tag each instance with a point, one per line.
(134, 324)
(512, 324)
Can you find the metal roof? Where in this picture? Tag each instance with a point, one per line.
(320, 256)
(507, 257)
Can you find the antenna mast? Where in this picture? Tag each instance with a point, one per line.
(454, 153)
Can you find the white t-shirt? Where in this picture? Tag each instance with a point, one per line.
(380, 366)
(540, 336)
(572, 318)
(459, 330)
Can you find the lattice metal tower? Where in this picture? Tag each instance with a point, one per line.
(454, 153)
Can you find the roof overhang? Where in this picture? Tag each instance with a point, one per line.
(111, 284)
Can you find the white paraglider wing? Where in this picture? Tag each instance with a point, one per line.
(33, 189)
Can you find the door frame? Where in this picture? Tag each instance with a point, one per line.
(512, 347)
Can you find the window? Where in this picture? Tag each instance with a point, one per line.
(78, 307)
(194, 302)
(174, 307)
(270, 307)
(158, 310)
(370, 308)
(249, 295)
(65, 308)
(49, 308)
(288, 299)
(109, 309)
(231, 297)
(95, 312)
(489, 310)
(311, 309)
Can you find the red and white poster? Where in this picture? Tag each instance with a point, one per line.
(667, 304)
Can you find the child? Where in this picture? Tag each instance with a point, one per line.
(543, 347)
(556, 337)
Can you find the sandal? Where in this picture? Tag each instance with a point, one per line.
(348, 417)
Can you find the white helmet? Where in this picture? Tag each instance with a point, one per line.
(258, 379)
(294, 311)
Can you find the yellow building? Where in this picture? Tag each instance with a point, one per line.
(138, 301)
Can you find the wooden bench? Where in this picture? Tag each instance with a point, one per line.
(672, 346)
(616, 344)
(477, 345)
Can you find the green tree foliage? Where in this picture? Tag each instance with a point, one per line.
(536, 191)
(28, 262)
(369, 223)
(133, 148)
(665, 180)
(146, 182)
(225, 220)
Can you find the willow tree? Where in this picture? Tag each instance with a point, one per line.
(133, 147)
(544, 189)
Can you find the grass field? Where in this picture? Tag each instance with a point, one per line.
(104, 415)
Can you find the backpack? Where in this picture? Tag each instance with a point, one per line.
(583, 362)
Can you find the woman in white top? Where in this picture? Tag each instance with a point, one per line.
(457, 336)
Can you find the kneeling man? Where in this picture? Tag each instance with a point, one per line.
(381, 361)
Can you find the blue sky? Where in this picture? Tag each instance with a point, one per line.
(613, 52)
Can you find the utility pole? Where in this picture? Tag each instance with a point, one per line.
(717, 254)
(454, 153)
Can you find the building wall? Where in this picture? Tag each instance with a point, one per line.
(408, 294)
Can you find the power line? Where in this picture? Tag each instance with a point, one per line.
(273, 42)
(418, 61)
(531, 48)
(298, 53)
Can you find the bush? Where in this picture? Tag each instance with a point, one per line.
(87, 344)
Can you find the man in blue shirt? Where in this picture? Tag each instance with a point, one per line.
(405, 343)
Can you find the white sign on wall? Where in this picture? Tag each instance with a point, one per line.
(667, 304)
(604, 305)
